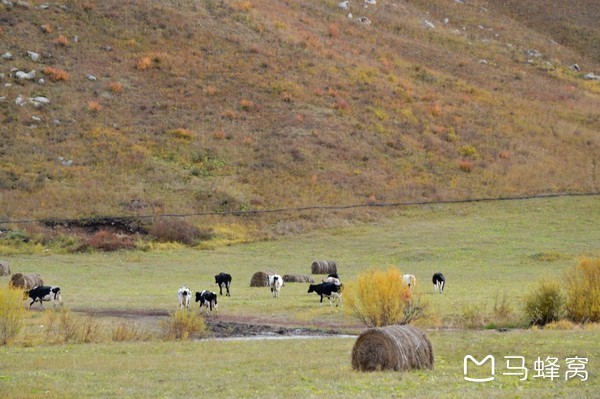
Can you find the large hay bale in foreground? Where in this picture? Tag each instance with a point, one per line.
(395, 347)
(25, 281)
(4, 268)
(323, 267)
(259, 279)
(297, 278)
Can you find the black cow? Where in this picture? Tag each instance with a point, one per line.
(208, 299)
(439, 282)
(328, 290)
(223, 279)
(44, 293)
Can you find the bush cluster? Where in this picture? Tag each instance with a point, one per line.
(548, 303)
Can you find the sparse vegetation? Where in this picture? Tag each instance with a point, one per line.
(11, 314)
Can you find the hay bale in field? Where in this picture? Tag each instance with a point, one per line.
(297, 278)
(25, 281)
(323, 267)
(259, 279)
(4, 268)
(396, 347)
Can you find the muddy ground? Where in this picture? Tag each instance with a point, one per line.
(226, 326)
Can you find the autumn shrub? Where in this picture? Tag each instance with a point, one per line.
(11, 314)
(61, 326)
(62, 40)
(56, 74)
(94, 106)
(182, 325)
(177, 230)
(115, 87)
(545, 302)
(144, 63)
(583, 291)
(465, 165)
(124, 332)
(380, 298)
(108, 241)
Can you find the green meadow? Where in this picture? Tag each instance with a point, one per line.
(491, 253)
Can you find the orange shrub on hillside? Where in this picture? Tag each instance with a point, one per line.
(94, 106)
(62, 40)
(115, 87)
(143, 63)
(56, 74)
(465, 165)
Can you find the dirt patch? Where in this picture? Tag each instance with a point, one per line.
(228, 329)
(225, 326)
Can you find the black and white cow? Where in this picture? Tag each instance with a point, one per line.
(332, 278)
(439, 282)
(208, 299)
(275, 282)
(44, 293)
(223, 279)
(329, 290)
(185, 296)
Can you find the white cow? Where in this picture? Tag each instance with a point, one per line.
(184, 294)
(410, 280)
(275, 282)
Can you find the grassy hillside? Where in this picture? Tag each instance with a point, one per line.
(208, 106)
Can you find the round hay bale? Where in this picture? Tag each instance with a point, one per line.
(259, 279)
(25, 281)
(297, 278)
(395, 347)
(323, 267)
(4, 268)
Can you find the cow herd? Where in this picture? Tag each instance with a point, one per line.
(330, 288)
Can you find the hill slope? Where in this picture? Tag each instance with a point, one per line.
(201, 106)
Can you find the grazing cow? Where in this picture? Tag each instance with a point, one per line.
(275, 282)
(208, 299)
(223, 279)
(332, 278)
(410, 280)
(44, 293)
(328, 290)
(438, 282)
(185, 295)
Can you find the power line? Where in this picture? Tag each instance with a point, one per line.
(91, 219)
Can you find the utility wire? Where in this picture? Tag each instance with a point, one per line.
(294, 209)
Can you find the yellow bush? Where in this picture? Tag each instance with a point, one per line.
(184, 324)
(11, 314)
(583, 288)
(545, 303)
(380, 298)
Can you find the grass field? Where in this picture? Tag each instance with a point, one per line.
(486, 251)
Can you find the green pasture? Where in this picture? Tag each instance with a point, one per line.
(487, 251)
(298, 368)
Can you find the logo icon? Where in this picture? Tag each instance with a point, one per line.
(479, 364)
